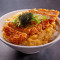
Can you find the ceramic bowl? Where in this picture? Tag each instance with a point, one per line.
(24, 49)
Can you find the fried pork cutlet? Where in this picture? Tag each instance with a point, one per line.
(13, 36)
(31, 30)
(51, 14)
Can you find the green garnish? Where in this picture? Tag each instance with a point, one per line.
(16, 19)
(43, 17)
(26, 18)
(38, 20)
(17, 22)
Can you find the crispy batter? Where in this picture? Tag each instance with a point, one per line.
(31, 30)
(51, 14)
(14, 36)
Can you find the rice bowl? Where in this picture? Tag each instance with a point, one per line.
(25, 49)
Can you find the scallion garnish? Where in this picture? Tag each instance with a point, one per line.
(16, 19)
(26, 18)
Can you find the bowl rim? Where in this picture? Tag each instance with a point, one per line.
(57, 38)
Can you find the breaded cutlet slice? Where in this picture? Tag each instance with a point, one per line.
(51, 14)
(13, 36)
(31, 30)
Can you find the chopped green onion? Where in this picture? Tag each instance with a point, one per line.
(16, 19)
(33, 17)
(37, 16)
(43, 17)
(36, 19)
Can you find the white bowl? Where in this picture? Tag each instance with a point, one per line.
(24, 49)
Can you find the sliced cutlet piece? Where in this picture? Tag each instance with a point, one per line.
(50, 14)
(14, 36)
(30, 31)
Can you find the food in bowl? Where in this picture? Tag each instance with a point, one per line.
(31, 28)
